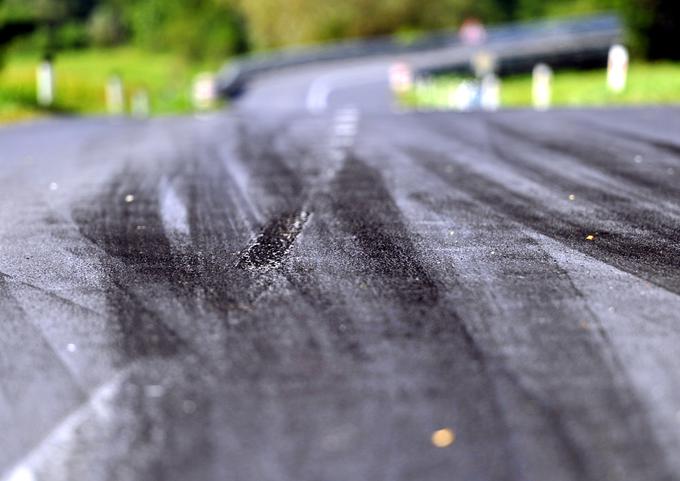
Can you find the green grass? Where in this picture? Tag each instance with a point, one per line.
(648, 84)
(81, 78)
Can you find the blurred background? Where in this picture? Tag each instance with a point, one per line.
(155, 56)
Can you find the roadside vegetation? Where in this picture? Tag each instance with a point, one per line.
(648, 84)
(159, 45)
(81, 78)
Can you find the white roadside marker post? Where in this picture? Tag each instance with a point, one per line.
(484, 65)
(204, 91)
(617, 68)
(45, 81)
(491, 92)
(463, 97)
(115, 98)
(541, 87)
(140, 104)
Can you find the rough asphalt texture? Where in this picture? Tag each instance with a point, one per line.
(274, 295)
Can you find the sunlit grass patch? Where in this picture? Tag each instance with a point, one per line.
(81, 78)
(648, 84)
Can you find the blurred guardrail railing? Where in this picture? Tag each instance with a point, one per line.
(233, 78)
(560, 44)
(514, 47)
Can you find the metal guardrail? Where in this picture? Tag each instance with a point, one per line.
(233, 78)
(578, 46)
(513, 46)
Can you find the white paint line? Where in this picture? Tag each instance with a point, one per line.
(100, 405)
(324, 86)
(344, 130)
(317, 96)
(347, 115)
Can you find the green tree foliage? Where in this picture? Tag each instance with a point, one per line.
(106, 26)
(51, 11)
(654, 27)
(198, 29)
(55, 24)
(219, 28)
(273, 23)
(559, 8)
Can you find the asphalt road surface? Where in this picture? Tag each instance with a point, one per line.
(346, 294)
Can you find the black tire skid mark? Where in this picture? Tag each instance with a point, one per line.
(669, 148)
(592, 154)
(267, 357)
(209, 268)
(265, 258)
(512, 386)
(612, 206)
(342, 331)
(219, 248)
(185, 450)
(140, 259)
(597, 153)
(283, 185)
(661, 230)
(556, 287)
(296, 203)
(265, 261)
(219, 223)
(649, 257)
(290, 383)
(219, 212)
(619, 396)
(366, 212)
(276, 238)
(132, 233)
(364, 207)
(221, 220)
